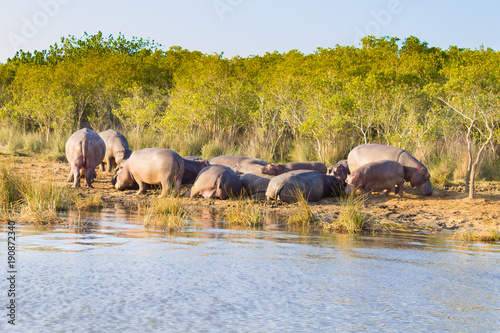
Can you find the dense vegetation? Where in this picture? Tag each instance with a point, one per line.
(441, 105)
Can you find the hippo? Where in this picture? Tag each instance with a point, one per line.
(154, 166)
(216, 181)
(255, 184)
(85, 150)
(194, 158)
(339, 170)
(381, 175)
(311, 183)
(116, 149)
(278, 169)
(239, 164)
(192, 168)
(415, 172)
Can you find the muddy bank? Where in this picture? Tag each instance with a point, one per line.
(448, 209)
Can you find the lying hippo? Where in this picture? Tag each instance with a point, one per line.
(312, 184)
(415, 172)
(116, 149)
(339, 170)
(216, 181)
(192, 168)
(193, 158)
(155, 166)
(381, 175)
(85, 150)
(239, 164)
(278, 169)
(255, 184)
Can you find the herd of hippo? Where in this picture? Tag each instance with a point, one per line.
(368, 167)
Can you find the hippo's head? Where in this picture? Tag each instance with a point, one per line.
(270, 169)
(353, 181)
(420, 179)
(122, 155)
(339, 171)
(123, 179)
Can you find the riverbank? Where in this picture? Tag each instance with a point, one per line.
(448, 209)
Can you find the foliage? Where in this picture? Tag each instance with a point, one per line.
(277, 106)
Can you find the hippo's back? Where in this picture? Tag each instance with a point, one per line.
(372, 152)
(287, 186)
(85, 139)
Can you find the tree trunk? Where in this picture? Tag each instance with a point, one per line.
(470, 149)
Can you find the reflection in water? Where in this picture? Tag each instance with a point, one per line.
(108, 273)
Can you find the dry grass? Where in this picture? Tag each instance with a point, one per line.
(351, 218)
(244, 213)
(167, 214)
(466, 235)
(304, 215)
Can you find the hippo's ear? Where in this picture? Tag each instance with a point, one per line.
(422, 171)
(427, 176)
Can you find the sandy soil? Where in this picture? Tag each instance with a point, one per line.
(448, 209)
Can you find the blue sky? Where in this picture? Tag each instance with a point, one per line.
(246, 27)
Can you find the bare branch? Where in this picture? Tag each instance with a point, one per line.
(454, 109)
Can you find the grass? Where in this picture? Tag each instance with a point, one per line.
(88, 202)
(167, 214)
(304, 215)
(37, 202)
(469, 236)
(351, 218)
(243, 213)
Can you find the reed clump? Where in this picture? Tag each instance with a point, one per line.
(469, 236)
(168, 213)
(88, 202)
(37, 202)
(350, 218)
(244, 213)
(304, 216)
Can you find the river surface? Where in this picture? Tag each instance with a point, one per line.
(113, 275)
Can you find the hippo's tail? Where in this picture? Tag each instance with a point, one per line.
(85, 154)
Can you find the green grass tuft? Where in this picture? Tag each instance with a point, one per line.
(167, 214)
(244, 213)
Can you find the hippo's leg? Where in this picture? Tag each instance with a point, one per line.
(102, 165)
(76, 176)
(110, 161)
(142, 187)
(70, 176)
(399, 188)
(166, 185)
(89, 177)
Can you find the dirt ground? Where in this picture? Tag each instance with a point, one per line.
(448, 209)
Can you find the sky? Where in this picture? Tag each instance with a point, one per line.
(249, 27)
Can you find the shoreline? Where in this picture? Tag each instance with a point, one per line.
(447, 210)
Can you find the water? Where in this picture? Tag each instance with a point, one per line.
(116, 276)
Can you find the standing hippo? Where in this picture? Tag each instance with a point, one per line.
(155, 166)
(192, 168)
(255, 184)
(339, 170)
(278, 169)
(381, 175)
(116, 149)
(216, 181)
(312, 184)
(85, 150)
(239, 164)
(414, 171)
